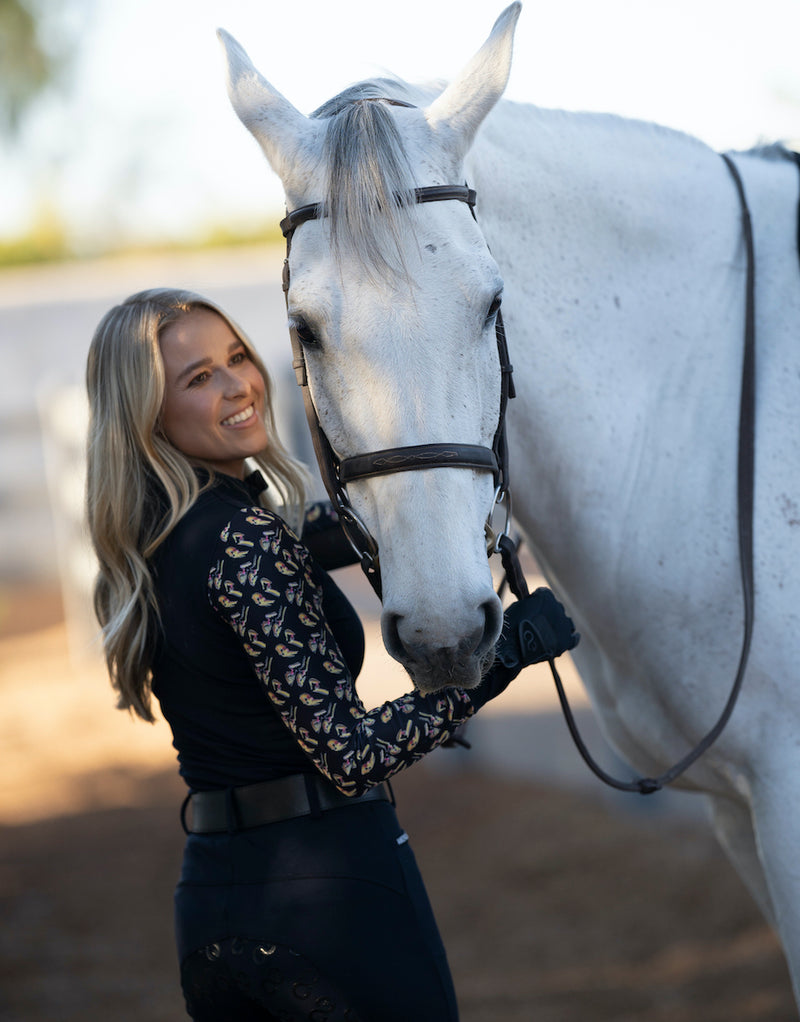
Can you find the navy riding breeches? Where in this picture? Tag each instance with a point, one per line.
(322, 918)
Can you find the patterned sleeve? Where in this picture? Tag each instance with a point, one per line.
(263, 584)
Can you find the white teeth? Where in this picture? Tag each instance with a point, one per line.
(240, 417)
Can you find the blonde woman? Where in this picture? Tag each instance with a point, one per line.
(299, 896)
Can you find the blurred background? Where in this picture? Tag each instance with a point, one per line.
(122, 166)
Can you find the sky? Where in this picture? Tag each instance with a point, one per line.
(144, 143)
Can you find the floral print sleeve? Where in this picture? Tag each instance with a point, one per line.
(263, 584)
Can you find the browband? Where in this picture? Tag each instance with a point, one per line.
(434, 193)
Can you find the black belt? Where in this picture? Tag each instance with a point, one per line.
(253, 805)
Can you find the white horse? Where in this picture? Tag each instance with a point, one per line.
(618, 249)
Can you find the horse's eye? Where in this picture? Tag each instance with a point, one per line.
(494, 308)
(305, 334)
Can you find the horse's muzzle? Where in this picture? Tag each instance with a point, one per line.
(433, 664)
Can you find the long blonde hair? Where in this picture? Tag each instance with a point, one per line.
(138, 485)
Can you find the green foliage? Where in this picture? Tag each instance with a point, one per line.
(45, 241)
(221, 236)
(27, 64)
(48, 241)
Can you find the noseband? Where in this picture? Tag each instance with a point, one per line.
(337, 472)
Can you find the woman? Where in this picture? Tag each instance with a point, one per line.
(299, 896)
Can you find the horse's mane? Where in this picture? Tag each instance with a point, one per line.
(774, 151)
(370, 182)
(370, 179)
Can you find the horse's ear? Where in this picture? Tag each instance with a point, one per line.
(278, 127)
(462, 106)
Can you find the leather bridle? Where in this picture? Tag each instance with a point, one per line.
(337, 472)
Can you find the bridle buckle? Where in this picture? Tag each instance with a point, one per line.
(501, 499)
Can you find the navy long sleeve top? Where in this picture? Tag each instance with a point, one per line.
(258, 654)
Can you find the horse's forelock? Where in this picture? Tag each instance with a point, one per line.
(370, 178)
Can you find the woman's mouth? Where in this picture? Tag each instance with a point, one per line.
(239, 417)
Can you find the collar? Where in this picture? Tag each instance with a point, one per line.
(251, 487)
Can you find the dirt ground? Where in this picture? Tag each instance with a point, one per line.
(553, 907)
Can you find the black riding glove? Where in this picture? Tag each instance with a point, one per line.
(324, 537)
(535, 628)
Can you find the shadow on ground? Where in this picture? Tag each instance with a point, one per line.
(553, 906)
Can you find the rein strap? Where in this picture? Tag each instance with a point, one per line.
(745, 492)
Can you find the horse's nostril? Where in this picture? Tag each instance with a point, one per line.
(391, 635)
(444, 651)
(493, 624)
(409, 643)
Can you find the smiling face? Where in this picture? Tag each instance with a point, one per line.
(214, 395)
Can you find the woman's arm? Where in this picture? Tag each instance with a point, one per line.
(264, 584)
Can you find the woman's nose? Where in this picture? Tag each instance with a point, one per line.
(234, 385)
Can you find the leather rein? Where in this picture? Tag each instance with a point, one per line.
(337, 472)
(744, 500)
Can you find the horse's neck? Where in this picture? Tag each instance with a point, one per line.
(617, 242)
(582, 209)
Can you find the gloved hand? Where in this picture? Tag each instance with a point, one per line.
(324, 537)
(536, 628)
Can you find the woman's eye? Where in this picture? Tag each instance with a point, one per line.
(238, 358)
(200, 378)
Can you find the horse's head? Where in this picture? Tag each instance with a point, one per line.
(394, 305)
